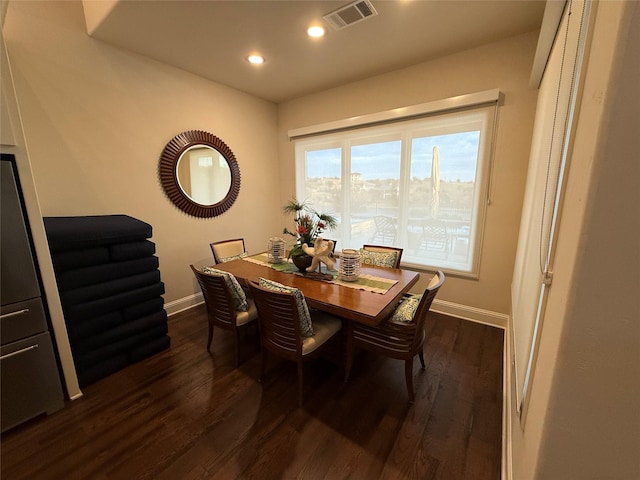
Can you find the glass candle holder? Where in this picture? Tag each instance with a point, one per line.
(349, 265)
(275, 250)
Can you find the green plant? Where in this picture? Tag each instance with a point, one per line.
(309, 224)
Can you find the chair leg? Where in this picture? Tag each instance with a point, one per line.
(421, 357)
(300, 383)
(258, 337)
(348, 355)
(236, 341)
(263, 368)
(408, 373)
(210, 339)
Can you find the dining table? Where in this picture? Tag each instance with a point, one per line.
(369, 301)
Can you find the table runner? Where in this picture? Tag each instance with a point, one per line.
(366, 282)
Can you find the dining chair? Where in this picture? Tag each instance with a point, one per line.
(435, 235)
(227, 250)
(287, 329)
(227, 305)
(385, 230)
(381, 256)
(335, 242)
(401, 336)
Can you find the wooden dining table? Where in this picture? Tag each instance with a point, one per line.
(363, 306)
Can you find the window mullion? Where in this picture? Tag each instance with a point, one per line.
(403, 193)
(346, 191)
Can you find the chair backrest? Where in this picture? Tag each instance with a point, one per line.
(335, 242)
(227, 249)
(386, 249)
(385, 229)
(425, 303)
(279, 321)
(430, 293)
(435, 232)
(217, 298)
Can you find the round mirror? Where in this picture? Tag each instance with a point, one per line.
(199, 174)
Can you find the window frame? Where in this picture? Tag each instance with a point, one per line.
(407, 129)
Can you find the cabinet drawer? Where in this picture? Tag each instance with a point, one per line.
(21, 320)
(30, 380)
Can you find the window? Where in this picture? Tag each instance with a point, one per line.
(420, 184)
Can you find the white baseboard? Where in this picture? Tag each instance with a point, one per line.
(184, 303)
(472, 314)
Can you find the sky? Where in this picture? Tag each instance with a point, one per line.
(458, 158)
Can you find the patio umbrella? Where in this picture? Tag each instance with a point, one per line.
(435, 182)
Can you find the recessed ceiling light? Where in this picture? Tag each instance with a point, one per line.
(255, 59)
(315, 31)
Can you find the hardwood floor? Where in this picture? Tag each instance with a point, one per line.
(187, 414)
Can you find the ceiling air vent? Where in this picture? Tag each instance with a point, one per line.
(349, 14)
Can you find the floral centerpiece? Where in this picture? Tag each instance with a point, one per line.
(309, 225)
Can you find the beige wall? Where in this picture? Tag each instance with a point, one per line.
(12, 142)
(505, 65)
(582, 419)
(96, 119)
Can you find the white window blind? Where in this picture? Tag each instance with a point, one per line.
(533, 269)
(418, 181)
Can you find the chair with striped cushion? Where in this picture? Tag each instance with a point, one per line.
(401, 336)
(227, 305)
(287, 329)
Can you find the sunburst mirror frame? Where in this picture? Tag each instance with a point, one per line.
(167, 171)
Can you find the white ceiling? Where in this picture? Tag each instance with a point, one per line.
(212, 38)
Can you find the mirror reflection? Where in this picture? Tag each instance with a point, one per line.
(203, 174)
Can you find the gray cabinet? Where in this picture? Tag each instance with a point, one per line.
(28, 368)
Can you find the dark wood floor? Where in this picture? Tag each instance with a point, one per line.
(186, 414)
